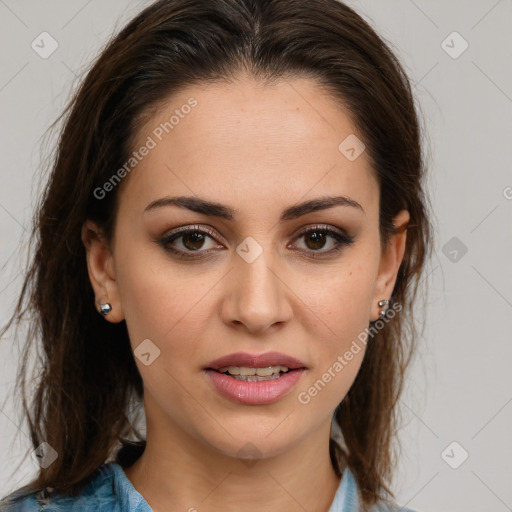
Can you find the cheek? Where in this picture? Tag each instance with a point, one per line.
(339, 303)
(337, 348)
(169, 309)
(164, 303)
(339, 312)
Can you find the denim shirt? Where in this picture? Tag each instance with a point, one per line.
(111, 491)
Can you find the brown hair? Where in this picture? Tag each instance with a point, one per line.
(88, 376)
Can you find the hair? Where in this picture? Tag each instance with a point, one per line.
(87, 376)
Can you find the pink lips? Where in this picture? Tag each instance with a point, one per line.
(254, 393)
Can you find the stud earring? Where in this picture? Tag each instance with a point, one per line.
(105, 309)
(384, 312)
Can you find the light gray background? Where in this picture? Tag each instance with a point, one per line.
(460, 385)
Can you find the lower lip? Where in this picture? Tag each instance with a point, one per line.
(254, 393)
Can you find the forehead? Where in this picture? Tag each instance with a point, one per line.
(252, 143)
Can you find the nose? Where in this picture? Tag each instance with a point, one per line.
(257, 296)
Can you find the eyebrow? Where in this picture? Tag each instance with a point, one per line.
(214, 209)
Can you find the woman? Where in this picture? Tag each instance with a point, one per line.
(233, 235)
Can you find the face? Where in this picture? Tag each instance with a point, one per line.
(251, 273)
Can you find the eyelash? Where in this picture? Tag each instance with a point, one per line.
(341, 239)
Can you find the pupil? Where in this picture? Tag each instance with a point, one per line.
(195, 238)
(318, 238)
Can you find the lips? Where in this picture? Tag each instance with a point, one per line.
(255, 361)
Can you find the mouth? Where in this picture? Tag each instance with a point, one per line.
(241, 376)
(243, 365)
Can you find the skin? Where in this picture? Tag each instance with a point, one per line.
(257, 149)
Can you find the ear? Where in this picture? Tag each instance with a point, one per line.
(100, 264)
(390, 261)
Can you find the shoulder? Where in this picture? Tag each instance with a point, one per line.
(100, 494)
(16, 503)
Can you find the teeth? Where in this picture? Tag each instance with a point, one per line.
(245, 371)
(256, 378)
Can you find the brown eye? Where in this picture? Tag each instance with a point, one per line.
(317, 237)
(186, 241)
(193, 240)
(315, 240)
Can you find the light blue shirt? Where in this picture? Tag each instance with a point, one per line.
(111, 491)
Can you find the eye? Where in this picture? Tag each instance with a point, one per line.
(192, 238)
(316, 237)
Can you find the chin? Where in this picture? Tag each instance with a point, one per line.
(253, 444)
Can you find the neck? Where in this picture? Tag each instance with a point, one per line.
(179, 473)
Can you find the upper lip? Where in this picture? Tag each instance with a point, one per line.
(255, 360)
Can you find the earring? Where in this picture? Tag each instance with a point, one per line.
(105, 309)
(383, 303)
